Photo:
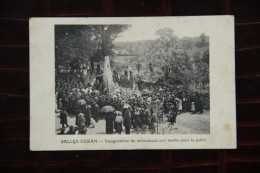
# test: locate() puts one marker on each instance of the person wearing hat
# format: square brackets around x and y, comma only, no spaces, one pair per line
[60,103]
[127,121]
[136,113]
[118,122]
[138,123]
[71,131]
[115,112]
[82,129]
[109,117]
[88,115]
[142,116]
[151,124]
[173,114]
[95,111]
[63,118]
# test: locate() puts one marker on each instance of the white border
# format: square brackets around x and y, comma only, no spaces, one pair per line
[220,29]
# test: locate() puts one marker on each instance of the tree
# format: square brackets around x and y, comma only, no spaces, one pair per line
[172,61]
[165,34]
[203,38]
[202,41]
[85,42]
[201,70]
[164,49]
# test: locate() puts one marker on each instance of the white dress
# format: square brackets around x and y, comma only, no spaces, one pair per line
[192,106]
[180,105]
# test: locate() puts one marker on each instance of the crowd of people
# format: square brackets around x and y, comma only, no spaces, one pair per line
[138,110]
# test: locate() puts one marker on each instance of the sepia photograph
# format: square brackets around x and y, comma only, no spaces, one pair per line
[132,83]
[110,81]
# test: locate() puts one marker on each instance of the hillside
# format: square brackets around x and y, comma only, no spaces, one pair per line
[150,60]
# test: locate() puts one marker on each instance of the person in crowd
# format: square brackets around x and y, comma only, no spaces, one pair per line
[146,117]
[138,123]
[143,110]
[151,124]
[60,103]
[63,118]
[189,100]
[198,103]
[173,114]
[192,107]
[88,115]
[72,130]
[142,116]
[179,104]
[184,105]
[127,122]
[95,111]
[82,129]
[118,122]
[134,117]
[109,117]
[65,103]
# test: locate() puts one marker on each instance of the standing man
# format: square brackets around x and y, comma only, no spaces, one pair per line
[200,104]
[88,115]
[127,122]
[96,111]
[118,122]
[109,122]
[63,118]
[82,129]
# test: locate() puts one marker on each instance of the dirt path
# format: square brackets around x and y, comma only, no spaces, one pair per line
[186,123]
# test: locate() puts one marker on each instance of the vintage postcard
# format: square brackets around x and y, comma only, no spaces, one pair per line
[132,83]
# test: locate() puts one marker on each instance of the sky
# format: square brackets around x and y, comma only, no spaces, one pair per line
[146,31]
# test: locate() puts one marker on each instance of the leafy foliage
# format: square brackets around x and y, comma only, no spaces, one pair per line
[76,44]
[177,63]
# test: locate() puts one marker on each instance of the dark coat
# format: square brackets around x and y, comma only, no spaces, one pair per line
[127,121]
[82,130]
[118,126]
[109,122]
[173,115]
[138,122]
[88,117]
[63,117]
[96,110]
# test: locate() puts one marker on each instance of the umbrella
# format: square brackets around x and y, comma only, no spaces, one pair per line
[95,92]
[107,108]
[126,106]
[81,102]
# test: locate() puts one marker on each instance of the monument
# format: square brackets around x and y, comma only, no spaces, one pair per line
[107,75]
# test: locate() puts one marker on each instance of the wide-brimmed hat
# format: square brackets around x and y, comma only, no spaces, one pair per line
[88,106]
[81,115]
